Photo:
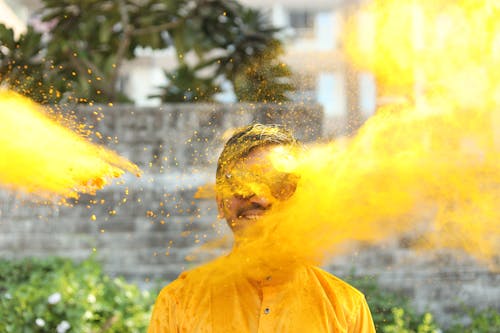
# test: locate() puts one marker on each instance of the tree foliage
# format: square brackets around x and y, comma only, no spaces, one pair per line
[185,86]
[22,66]
[81,58]
[91,39]
[265,79]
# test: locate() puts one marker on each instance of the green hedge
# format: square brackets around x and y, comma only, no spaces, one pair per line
[394,314]
[484,321]
[58,295]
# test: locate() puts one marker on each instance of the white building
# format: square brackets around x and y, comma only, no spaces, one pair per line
[13,18]
[315,53]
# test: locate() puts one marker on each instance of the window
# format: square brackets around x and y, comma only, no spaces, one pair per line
[302,22]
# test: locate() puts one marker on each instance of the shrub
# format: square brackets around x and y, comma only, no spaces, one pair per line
[391,312]
[58,295]
[484,321]
[402,323]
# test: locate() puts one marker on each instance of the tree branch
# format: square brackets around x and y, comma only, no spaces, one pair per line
[159,28]
[83,65]
[124,45]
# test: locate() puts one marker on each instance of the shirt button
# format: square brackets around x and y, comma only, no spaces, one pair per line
[268,278]
[267,310]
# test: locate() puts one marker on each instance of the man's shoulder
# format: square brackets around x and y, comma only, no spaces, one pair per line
[347,301]
[334,285]
[190,280]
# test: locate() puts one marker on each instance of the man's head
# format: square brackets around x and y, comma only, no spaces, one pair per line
[247,184]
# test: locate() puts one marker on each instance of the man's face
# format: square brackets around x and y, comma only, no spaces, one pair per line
[251,187]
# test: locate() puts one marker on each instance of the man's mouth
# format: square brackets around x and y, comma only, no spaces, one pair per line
[252,214]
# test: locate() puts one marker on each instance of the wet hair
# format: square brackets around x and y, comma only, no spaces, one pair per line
[248,138]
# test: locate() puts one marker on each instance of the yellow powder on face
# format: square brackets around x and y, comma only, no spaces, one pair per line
[41,157]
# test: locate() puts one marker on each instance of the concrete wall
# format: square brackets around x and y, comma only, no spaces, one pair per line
[152,228]
[190,135]
[147,228]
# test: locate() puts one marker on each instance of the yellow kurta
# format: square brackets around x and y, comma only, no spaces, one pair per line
[305,300]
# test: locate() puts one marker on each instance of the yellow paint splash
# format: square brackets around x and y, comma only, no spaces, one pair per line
[448,50]
[40,157]
[428,169]
[435,177]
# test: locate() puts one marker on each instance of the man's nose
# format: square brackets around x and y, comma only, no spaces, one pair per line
[260,199]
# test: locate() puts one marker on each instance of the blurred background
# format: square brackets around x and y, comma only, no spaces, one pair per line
[162,83]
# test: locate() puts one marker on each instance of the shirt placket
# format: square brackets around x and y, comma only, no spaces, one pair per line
[269,307]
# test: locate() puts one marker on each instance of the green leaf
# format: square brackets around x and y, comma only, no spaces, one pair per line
[7,37]
[105,33]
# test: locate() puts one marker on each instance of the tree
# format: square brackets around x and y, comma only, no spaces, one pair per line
[248,47]
[91,39]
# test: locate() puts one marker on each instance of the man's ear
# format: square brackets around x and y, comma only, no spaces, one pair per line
[220,206]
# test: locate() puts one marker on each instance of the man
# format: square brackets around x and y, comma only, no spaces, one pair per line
[230,295]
